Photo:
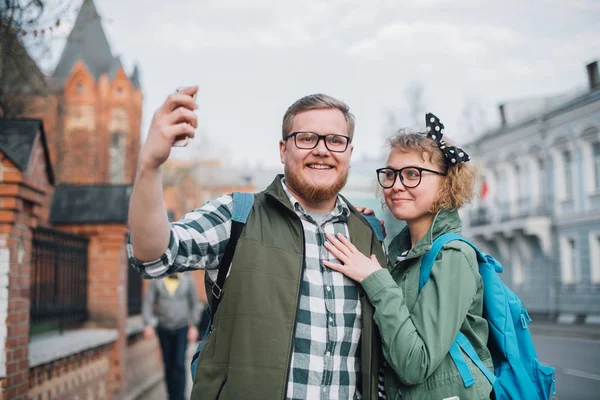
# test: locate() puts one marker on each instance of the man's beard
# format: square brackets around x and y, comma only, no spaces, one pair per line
[313,194]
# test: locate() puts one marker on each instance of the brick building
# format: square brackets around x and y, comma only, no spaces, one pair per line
[68,301]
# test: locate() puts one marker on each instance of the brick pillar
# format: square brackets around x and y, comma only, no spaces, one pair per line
[107,287]
[17,202]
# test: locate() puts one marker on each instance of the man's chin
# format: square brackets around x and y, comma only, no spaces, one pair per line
[313,187]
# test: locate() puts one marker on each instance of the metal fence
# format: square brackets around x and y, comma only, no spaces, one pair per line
[59,270]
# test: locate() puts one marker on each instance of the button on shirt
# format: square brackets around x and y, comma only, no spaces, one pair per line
[325,363]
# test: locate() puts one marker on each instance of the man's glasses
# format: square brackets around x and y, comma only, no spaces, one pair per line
[409,176]
[310,140]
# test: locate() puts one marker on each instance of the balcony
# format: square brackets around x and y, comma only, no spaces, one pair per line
[506,218]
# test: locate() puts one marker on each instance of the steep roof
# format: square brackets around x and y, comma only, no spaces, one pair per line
[17,137]
[80,204]
[135,77]
[87,42]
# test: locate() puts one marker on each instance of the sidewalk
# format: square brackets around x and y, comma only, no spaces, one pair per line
[159,391]
[580,331]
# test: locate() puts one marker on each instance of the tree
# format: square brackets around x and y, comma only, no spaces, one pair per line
[24,24]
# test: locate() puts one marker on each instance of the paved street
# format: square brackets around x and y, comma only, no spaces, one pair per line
[577,365]
[576,361]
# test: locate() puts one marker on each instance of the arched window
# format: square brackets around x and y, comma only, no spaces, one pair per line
[568,173]
[117,158]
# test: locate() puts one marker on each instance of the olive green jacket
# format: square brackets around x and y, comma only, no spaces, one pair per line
[247,355]
[417,330]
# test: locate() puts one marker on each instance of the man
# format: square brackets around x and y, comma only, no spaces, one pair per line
[174,302]
[286,327]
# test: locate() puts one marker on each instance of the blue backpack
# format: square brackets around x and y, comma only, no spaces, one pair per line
[518,374]
[242,205]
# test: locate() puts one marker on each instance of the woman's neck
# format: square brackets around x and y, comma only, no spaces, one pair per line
[418,228]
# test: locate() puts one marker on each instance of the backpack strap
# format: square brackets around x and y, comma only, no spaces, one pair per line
[467,347]
[242,205]
[375,225]
[430,257]
[461,341]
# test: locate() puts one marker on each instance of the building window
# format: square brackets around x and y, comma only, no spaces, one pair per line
[523,190]
[79,87]
[568,174]
[595,257]
[569,267]
[596,165]
[541,169]
[517,183]
[518,274]
[117,158]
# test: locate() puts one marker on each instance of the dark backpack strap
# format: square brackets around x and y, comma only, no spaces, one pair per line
[375,225]
[242,205]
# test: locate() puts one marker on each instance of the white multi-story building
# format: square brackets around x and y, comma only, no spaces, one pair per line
[538,210]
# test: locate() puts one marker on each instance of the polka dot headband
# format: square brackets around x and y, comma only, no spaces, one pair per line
[435,131]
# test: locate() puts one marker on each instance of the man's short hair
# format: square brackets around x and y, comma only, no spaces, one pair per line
[317,101]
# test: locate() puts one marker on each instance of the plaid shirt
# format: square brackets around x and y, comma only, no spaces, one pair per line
[325,363]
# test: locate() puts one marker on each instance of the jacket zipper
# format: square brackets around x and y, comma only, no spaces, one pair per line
[221,388]
[287,375]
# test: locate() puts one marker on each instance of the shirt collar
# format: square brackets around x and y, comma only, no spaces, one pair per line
[341,208]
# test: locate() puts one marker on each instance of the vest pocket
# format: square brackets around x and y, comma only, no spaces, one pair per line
[221,388]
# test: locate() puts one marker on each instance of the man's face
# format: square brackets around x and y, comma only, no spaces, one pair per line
[318,174]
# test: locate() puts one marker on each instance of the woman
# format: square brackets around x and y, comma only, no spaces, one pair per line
[424,183]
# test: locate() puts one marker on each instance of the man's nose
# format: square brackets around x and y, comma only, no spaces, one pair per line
[320,148]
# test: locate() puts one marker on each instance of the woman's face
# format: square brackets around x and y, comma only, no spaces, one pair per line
[411,204]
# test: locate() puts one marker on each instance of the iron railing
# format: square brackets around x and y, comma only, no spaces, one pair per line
[59,270]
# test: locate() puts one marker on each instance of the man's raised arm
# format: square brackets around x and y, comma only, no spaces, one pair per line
[148,221]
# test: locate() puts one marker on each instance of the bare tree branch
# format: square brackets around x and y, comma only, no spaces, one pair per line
[20,76]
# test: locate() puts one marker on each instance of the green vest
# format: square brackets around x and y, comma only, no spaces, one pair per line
[248,353]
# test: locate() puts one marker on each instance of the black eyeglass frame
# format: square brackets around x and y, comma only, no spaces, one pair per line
[398,173]
[319,137]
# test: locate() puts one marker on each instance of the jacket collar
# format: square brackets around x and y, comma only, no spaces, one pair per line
[444,221]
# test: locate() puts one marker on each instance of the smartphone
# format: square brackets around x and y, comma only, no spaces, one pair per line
[182,140]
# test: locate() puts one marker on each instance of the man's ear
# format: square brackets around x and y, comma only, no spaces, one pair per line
[282,150]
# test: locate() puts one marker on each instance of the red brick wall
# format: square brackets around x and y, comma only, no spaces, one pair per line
[85,375]
[23,205]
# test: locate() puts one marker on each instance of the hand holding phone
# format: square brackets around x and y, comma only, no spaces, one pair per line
[182,140]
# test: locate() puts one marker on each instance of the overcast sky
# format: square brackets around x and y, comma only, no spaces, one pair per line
[253,58]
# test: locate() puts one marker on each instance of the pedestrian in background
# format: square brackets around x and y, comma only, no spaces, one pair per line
[174,303]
